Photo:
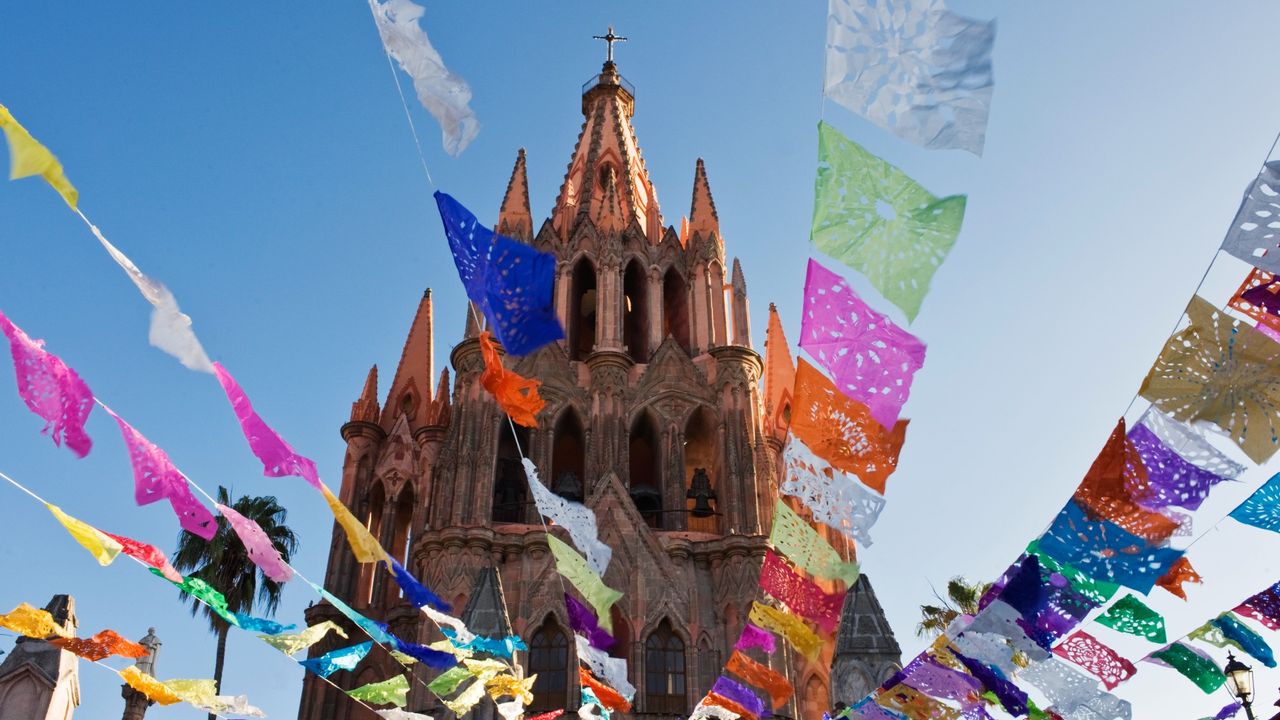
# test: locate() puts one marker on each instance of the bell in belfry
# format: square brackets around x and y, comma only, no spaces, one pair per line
[702,493]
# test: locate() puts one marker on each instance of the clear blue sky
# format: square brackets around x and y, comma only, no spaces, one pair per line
[256,159]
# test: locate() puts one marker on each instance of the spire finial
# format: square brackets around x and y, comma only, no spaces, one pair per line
[609,38]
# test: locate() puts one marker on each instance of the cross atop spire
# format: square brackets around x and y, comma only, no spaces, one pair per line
[609,38]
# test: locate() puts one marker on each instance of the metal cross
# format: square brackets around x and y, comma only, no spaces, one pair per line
[611,39]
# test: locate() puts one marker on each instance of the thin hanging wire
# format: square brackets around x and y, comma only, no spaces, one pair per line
[520,450]
[304,578]
[403,101]
[1216,254]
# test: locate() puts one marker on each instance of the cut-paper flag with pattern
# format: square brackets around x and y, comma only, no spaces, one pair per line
[515,394]
[1262,508]
[1130,615]
[578,572]
[293,643]
[1263,607]
[1114,484]
[171,329]
[101,646]
[837,499]
[842,431]
[1072,693]
[346,658]
[262,552]
[28,158]
[1258,297]
[1105,551]
[50,389]
[914,68]
[871,359]
[101,546]
[394,691]
[1193,665]
[578,519]
[805,641]
[801,544]
[278,458]
[32,622]
[508,281]
[1215,372]
[445,95]
[799,594]
[872,217]
[155,478]
[149,686]
[1181,466]
[1254,236]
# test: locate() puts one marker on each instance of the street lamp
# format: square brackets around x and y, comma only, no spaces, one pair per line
[1240,683]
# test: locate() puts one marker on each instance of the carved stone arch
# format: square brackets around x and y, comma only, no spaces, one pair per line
[583,312]
[546,240]
[634,243]
[665,668]
[813,696]
[584,240]
[567,474]
[645,456]
[667,611]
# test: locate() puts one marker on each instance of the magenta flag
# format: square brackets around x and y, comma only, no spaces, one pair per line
[262,551]
[155,479]
[50,389]
[801,595]
[754,637]
[277,456]
[871,360]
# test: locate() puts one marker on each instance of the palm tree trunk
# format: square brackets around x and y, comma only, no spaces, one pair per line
[223,628]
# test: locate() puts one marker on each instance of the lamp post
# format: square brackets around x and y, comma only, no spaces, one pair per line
[1240,683]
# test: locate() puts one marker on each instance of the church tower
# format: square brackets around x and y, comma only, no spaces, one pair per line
[655,418]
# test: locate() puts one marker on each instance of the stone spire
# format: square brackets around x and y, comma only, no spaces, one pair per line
[741,313]
[867,653]
[703,219]
[411,389]
[606,166]
[486,610]
[366,409]
[474,325]
[440,404]
[515,219]
[779,378]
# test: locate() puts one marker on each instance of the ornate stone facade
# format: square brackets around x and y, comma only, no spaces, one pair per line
[655,383]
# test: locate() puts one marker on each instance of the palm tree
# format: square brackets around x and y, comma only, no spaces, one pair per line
[962,599]
[224,563]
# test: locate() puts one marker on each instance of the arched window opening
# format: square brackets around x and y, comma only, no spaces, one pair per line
[644,478]
[621,634]
[635,312]
[568,458]
[815,699]
[510,491]
[372,508]
[701,473]
[399,545]
[708,666]
[582,310]
[664,672]
[675,309]
[549,659]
